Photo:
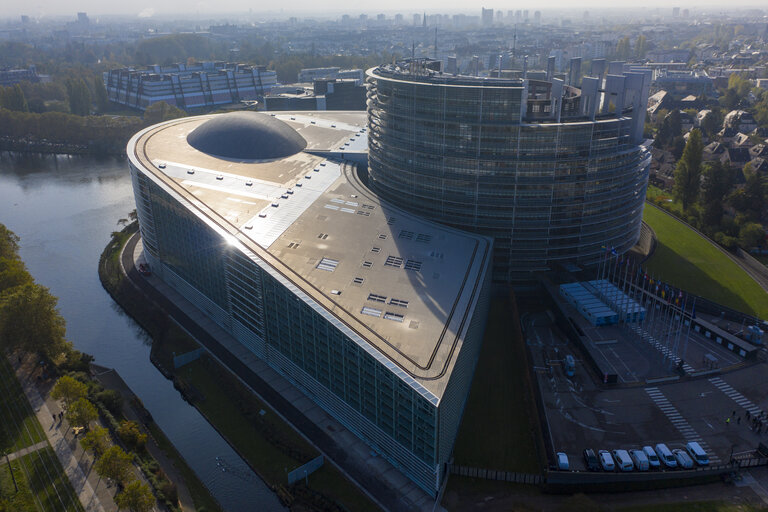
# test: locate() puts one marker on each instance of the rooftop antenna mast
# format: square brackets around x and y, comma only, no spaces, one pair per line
[435,43]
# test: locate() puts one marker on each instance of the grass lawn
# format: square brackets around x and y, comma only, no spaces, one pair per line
[685,259]
[39,476]
[495,432]
[19,424]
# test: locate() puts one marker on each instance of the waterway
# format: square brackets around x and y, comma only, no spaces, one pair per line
[64,208]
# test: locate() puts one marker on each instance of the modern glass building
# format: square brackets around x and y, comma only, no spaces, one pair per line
[374,313]
[552,172]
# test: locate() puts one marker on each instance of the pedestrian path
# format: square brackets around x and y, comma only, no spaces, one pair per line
[666,352]
[26,451]
[679,422]
[737,397]
[91,500]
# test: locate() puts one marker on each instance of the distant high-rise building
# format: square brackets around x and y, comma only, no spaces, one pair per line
[675,12]
[363,18]
[537,17]
[686,13]
[487,17]
[346,19]
[525,16]
[24,19]
[381,17]
[398,19]
[416,20]
[82,18]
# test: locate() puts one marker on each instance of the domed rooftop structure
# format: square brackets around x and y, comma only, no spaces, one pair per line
[246,136]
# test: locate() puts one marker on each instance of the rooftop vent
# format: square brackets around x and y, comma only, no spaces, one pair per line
[371,311]
[328,264]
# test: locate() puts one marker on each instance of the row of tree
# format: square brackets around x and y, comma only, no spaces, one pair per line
[112,462]
[704,191]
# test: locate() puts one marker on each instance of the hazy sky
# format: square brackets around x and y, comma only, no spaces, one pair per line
[185,8]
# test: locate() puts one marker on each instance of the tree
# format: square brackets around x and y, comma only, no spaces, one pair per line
[712,122]
[30,321]
[640,47]
[755,200]
[136,497]
[69,390]
[79,97]
[688,171]
[13,273]
[114,464]
[675,123]
[162,111]
[100,94]
[13,98]
[715,186]
[131,435]
[9,243]
[97,440]
[81,412]
[751,235]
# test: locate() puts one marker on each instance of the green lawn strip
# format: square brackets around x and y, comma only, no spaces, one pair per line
[494,433]
[464,493]
[40,478]
[20,426]
[685,259]
[696,506]
[266,448]
[48,481]
[11,499]
[200,494]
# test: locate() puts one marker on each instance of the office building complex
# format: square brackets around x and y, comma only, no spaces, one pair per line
[188,86]
[309,75]
[377,315]
[553,172]
[325,94]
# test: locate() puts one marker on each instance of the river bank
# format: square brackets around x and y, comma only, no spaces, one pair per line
[262,438]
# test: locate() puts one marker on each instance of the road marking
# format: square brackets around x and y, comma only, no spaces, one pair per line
[737,397]
[646,336]
[679,422]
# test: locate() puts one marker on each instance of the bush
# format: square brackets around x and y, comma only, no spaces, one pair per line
[131,435]
[111,399]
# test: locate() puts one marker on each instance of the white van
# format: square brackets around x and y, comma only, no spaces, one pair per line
[665,455]
[640,459]
[623,460]
[653,459]
[697,453]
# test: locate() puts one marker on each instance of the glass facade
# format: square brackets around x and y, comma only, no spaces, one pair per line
[280,324]
[461,152]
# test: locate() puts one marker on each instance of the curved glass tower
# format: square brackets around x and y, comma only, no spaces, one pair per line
[552,172]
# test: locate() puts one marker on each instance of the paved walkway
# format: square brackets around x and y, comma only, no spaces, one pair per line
[94,495]
[27,450]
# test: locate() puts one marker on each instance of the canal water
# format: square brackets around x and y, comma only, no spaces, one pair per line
[64,209]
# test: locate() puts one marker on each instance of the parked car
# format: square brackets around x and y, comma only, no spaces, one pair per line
[665,455]
[623,460]
[640,460]
[653,458]
[590,459]
[683,459]
[606,461]
[562,462]
[697,453]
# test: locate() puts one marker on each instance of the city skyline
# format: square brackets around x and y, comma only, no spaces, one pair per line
[306,8]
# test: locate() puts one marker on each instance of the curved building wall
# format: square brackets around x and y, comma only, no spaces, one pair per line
[465,156]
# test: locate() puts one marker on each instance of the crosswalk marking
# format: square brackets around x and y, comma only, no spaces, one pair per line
[737,397]
[646,336]
[679,422]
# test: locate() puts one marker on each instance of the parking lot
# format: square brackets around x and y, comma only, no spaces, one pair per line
[582,413]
